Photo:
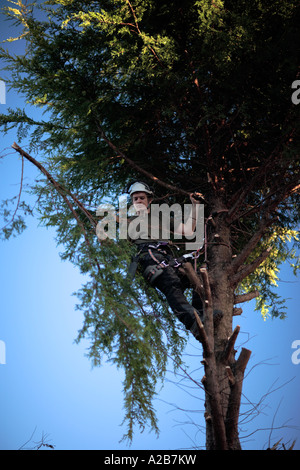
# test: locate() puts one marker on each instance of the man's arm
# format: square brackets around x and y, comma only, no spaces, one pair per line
[188,228]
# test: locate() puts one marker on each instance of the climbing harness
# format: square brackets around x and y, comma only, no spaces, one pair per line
[153,271]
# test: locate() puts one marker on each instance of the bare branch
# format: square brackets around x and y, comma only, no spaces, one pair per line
[238,299]
[134,165]
[19,197]
[37,445]
[243,360]
[231,343]
[262,170]
[253,242]
[250,268]
[60,189]
[237,311]
[194,279]
[235,396]
[203,336]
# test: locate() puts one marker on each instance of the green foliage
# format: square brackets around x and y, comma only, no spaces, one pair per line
[127,327]
[13,224]
[196,93]
[285,246]
[126,324]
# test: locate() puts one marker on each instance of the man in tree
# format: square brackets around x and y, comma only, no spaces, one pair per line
[156,253]
[122,81]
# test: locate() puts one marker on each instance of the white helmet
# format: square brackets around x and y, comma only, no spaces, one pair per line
[140,187]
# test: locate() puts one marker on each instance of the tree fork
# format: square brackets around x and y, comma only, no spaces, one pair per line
[237,371]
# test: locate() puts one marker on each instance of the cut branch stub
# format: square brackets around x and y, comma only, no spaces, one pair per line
[231,343]
[203,336]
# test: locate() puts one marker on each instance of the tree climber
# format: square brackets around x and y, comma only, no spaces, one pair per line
[155,255]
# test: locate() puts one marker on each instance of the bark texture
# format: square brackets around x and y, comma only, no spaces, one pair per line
[216,282]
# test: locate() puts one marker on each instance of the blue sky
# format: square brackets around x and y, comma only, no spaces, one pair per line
[48,384]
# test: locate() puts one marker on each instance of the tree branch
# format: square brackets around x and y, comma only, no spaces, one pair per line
[19,197]
[260,173]
[237,311]
[250,268]
[254,240]
[203,336]
[194,279]
[134,165]
[60,189]
[242,361]
[238,299]
[231,343]
[281,192]
[208,305]
[235,396]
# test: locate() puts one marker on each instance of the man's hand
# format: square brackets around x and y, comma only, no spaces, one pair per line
[195,198]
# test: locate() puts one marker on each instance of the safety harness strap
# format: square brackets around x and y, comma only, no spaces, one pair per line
[159,265]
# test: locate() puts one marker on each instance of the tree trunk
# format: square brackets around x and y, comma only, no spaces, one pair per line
[224,374]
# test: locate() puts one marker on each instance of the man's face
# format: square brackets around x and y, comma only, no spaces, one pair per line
[140,202]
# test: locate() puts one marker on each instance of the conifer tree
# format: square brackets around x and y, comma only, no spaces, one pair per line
[187,96]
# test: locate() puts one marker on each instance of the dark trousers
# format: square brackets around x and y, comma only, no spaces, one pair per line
[172,283]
